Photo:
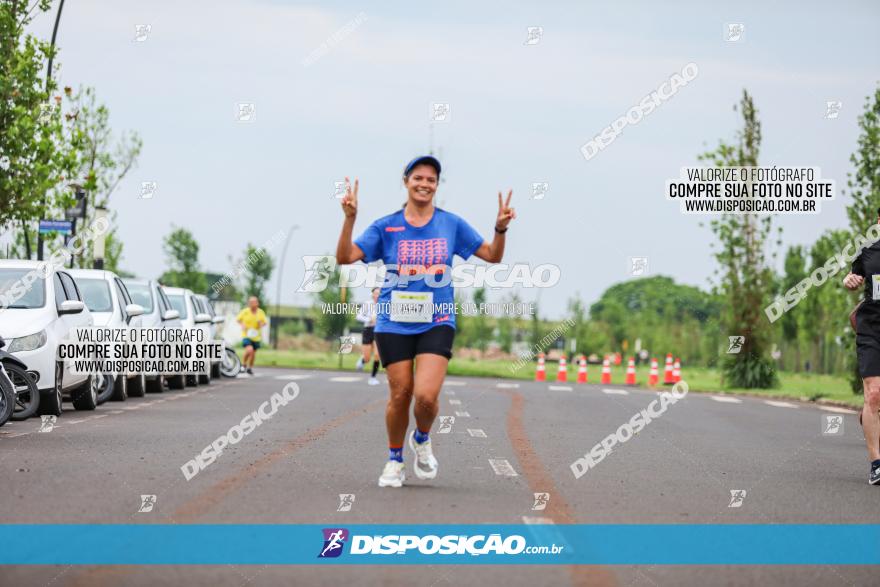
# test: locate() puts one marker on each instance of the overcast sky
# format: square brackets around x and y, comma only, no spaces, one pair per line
[519,114]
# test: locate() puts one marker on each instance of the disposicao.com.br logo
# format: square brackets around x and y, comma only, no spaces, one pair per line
[394,544]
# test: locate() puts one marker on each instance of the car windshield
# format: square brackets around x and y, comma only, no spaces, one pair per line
[140,294]
[178,303]
[14,294]
[96,294]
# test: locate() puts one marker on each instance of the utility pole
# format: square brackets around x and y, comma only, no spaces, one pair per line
[48,80]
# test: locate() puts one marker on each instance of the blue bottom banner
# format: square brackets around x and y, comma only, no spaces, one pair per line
[377,544]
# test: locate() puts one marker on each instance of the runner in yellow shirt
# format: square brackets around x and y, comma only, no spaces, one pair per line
[252,319]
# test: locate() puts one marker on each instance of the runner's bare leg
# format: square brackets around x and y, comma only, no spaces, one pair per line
[870,416]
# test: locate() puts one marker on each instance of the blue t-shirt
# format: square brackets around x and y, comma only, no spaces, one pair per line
[421,259]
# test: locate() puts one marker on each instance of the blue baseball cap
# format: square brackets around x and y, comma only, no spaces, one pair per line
[423,160]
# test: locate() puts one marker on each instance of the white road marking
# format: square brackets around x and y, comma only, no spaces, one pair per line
[476,433]
[450,392]
[777,404]
[537,520]
[458,383]
[725,400]
[291,377]
[455,402]
[559,388]
[837,410]
[346,379]
[611,391]
[502,467]
[117,412]
[463,414]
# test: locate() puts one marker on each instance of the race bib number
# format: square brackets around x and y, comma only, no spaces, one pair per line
[253,333]
[875,281]
[412,306]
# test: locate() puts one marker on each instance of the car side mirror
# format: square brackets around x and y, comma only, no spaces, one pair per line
[132,310]
[71,307]
[171,315]
[218,320]
[202,318]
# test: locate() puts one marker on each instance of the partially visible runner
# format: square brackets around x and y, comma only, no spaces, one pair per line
[252,319]
[416,319]
[367,316]
[866,271]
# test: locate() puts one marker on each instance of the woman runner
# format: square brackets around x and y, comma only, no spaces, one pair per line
[415,324]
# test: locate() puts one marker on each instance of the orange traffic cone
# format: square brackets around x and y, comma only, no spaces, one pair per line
[630,372]
[668,379]
[676,370]
[562,373]
[540,371]
[653,377]
[582,370]
[606,371]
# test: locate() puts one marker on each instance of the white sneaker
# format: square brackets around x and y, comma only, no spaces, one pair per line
[393,475]
[372,381]
[425,465]
[360,364]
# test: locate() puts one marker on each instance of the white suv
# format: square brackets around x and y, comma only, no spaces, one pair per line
[111,306]
[216,329]
[158,313]
[41,305]
[192,315]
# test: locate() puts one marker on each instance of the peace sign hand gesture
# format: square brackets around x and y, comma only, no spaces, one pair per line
[505,212]
[350,199]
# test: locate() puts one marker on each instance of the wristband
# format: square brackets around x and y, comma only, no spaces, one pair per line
[501,231]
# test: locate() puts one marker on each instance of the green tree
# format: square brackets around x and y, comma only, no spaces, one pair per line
[795,272]
[824,311]
[864,189]
[864,182]
[747,281]
[330,323]
[257,269]
[103,162]
[33,164]
[481,331]
[182,255]
[577,312]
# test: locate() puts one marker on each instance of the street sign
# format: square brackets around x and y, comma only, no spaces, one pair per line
[62,226]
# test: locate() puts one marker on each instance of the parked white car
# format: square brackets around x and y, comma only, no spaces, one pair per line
[192,315]
[39,314]
[158,313]
[216,329]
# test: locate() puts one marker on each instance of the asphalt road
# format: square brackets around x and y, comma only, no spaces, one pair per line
[94,467]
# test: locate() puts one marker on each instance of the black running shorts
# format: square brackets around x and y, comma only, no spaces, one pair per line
[402,347]
[367,336]
[868,339]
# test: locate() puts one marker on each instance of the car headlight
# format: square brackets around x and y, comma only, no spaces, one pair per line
[27,343]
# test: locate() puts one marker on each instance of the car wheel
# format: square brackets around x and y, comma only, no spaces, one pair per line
[50,399]
[138,386]
[205,378]
[156,385]
[106,385]
[177,382]
[192,380]
[85,397]
[215,371]
[120,388]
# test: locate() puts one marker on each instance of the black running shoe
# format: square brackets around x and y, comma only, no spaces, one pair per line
[250,371]
[874,477]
